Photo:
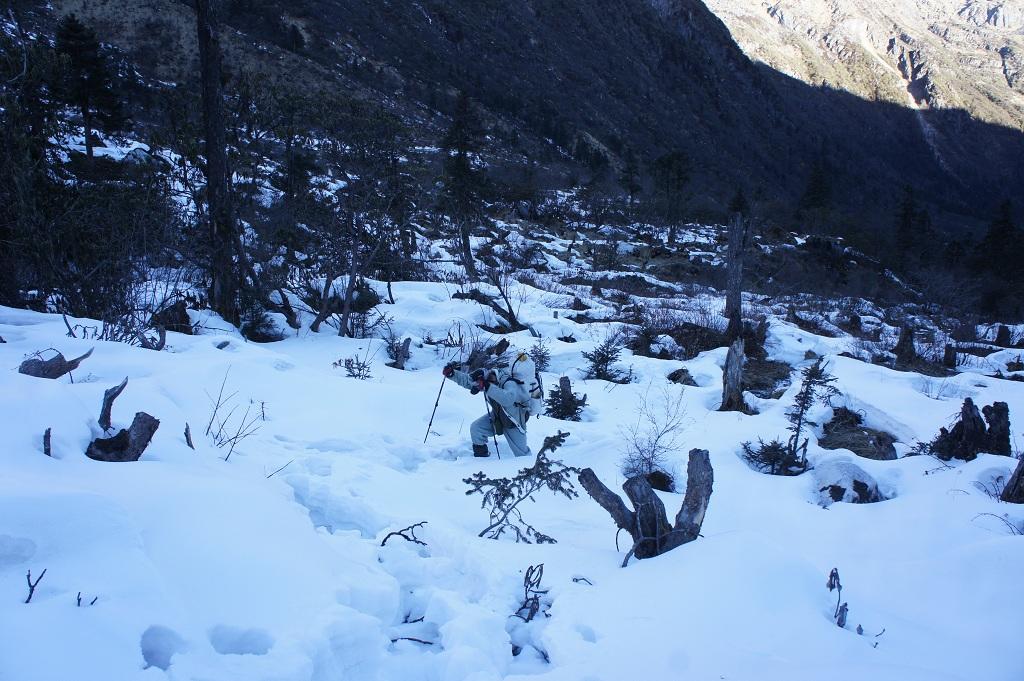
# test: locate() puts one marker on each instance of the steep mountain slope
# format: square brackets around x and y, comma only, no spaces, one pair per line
[936,54]
[609,80]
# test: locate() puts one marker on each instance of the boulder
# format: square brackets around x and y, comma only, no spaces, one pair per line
[842,480]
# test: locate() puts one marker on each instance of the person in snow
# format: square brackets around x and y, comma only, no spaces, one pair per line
[513,395]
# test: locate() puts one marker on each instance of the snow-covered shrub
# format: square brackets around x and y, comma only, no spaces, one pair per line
[774,457]
[563,404]
[601,359]
[356,367]
[654,436]
[502,496]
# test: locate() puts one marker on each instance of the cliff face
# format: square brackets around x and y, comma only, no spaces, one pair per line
[927,54]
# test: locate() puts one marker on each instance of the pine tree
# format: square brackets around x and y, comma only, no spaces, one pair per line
[906,222]
[88,82]
[738,203]
[1003,246]
[462,182]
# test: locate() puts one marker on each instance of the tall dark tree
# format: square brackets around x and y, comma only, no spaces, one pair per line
[670,174]
[1001,250]
[907,222]
[463,183]
[224,287]
[816,202]
[88,83]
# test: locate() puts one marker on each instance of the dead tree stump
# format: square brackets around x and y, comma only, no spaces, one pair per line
[1013,493]
[648,523]
[949,356]
[127,445]
[904,350]
[1003,338]
[969,435]
[732,379]
[53,368]
[734,278]
[402,354]
[997,415]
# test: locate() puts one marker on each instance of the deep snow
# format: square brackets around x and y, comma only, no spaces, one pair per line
[208,569]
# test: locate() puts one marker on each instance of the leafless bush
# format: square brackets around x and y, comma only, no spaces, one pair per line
[223,428]
[654,436]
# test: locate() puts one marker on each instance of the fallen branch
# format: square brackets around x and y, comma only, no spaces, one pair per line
[188,437]
[411,536]
[280,469]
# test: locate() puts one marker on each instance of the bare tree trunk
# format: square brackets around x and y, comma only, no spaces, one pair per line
[325,308]
[224,285]
[109,395]
[87,125]
[732,379]
[734,278]
[648,524]
[467,251]
[1013,493]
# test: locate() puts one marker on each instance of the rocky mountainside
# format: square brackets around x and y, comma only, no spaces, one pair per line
[928,54]
[578,90]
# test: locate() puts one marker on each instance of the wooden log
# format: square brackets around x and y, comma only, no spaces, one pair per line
[52,368]
[127,445]
[732,379]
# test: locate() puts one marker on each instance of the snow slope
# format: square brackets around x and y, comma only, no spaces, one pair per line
[209,569]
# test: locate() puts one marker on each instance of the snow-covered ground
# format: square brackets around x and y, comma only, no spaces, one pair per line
[210,569]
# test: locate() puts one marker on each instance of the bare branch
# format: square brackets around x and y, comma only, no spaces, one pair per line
[109,396]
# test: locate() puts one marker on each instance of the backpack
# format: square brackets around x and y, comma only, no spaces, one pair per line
[524,372]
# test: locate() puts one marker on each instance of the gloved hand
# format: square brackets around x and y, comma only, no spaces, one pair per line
[449,369]
[480,380]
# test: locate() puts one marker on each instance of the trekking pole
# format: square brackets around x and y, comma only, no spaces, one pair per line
[444,379]
[494,427]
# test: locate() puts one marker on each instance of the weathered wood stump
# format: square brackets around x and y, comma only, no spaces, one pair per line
[904,350]
[53,368]
[997,415]
[126,445]
[1013,493]
[648,523]
[732,379]
[969,435]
